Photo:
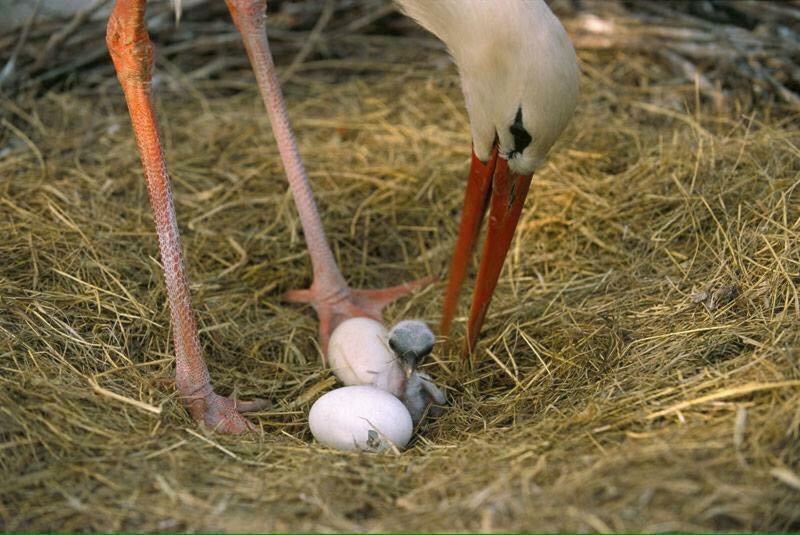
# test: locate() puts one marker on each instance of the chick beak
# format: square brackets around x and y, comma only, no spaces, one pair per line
[409,366]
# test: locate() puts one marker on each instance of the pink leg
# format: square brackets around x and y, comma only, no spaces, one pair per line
[333,300]
[132,52]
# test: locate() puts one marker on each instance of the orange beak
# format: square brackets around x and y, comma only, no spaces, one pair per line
[491,185]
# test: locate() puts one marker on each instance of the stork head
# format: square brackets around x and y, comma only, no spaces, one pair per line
[411,341]
[519,74]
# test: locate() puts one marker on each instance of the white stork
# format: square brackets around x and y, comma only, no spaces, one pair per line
[520,79]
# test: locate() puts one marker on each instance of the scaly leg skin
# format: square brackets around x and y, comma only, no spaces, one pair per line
[132,53]
[333,300]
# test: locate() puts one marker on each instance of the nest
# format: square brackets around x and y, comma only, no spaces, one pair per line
[638,369]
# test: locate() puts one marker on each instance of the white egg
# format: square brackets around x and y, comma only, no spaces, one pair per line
[360,418]
[359,354]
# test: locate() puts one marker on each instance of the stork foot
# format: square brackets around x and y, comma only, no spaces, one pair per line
[223,414]
[334,307]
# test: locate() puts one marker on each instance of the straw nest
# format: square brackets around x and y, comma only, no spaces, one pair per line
[638,369]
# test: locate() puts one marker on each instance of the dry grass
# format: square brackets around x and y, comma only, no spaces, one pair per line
[638,370]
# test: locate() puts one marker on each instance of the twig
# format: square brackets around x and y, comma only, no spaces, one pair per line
[724,394]
[7,73]
[691,71]
[68,29]
[134,402]
[311,41]
[371,16]
[210,442]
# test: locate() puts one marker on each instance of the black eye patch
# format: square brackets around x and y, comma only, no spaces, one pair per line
[521,136]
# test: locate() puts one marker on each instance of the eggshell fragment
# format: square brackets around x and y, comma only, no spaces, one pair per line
[360,418]
[359,354]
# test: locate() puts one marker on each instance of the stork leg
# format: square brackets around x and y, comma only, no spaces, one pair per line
[132,53]
[330,295]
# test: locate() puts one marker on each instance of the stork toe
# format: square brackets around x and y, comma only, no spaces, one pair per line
[224,414]
[333,306]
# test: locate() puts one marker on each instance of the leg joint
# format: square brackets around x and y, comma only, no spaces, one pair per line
[128,41]
[248,14]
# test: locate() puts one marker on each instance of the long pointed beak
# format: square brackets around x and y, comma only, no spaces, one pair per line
[508,191]
[408,368]
[476,200]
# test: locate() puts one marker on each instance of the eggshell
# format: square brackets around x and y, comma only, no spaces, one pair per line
[360,418]
[359,354]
